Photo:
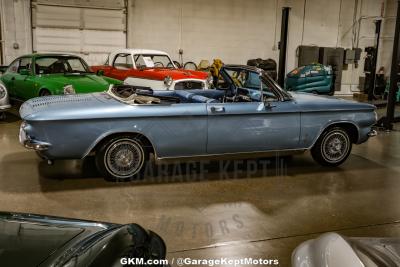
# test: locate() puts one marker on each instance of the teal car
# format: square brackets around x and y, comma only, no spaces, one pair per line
[36,75]
[313,78]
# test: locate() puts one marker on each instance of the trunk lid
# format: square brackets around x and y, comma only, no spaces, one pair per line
[66,107]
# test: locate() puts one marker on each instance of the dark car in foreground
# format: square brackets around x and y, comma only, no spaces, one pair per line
[37,240]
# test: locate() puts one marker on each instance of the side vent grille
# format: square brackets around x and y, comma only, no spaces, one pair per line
[48,100]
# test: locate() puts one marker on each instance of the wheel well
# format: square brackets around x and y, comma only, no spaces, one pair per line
[350,128]
[146,142]
[42,90]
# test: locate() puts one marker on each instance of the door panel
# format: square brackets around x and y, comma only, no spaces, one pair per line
[118,74]
[180,132]
[247,127]
[25,87]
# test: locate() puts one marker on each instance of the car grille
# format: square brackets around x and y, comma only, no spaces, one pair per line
[187,85]
[48,100]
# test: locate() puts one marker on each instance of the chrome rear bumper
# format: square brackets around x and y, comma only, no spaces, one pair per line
[5,107]
[372,133]
[36,145]
[30,143]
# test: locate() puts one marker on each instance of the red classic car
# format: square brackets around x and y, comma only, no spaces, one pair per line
[151,68]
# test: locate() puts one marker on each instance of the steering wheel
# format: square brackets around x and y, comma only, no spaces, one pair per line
[123,89]
[158,63]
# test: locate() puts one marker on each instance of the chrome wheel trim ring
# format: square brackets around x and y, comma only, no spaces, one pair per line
[124,158]
[335,146]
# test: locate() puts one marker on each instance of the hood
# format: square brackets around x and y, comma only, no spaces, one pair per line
[28,240]
[175,74]
[74,106]
[311,102]
[81,82]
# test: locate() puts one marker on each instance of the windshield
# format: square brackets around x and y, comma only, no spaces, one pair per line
[153,61]
[254,80]
[60,64]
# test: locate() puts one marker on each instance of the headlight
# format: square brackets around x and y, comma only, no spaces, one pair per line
[2,91]
[69,89]
[168,81]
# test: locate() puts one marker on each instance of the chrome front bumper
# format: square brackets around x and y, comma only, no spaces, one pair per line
[30,143]
[372,133]
[5,107]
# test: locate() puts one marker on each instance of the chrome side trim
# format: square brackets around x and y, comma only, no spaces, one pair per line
[250,154]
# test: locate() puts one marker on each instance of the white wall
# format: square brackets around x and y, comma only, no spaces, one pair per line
[234,30]
[16,29]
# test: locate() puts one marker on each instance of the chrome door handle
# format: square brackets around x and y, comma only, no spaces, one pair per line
[217,109]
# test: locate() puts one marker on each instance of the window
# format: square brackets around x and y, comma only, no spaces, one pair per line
[76,65]
[152,61]
[247,79]
[123,61]
[13,68]
[25,63]
[59,64]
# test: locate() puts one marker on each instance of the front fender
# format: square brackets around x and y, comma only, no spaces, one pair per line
[313,124]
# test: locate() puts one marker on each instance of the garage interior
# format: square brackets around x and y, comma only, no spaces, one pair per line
[208,209]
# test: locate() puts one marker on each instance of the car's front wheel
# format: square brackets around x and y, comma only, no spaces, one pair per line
[333,147]
[121,158]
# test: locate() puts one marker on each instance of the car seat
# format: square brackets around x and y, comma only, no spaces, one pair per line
[58,67]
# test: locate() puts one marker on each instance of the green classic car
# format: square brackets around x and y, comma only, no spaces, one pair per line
[52,74]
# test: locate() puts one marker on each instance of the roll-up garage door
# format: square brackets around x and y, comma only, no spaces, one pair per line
[91,31]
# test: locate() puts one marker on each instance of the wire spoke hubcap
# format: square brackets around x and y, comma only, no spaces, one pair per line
[124,158]
[335,146]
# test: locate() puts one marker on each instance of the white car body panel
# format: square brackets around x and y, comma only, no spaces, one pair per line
[160,85]
[4,101]
[328,250]
[153,84]
[134,52]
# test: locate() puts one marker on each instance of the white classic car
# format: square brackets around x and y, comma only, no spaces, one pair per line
[334,250]
[153,69]
[4,100]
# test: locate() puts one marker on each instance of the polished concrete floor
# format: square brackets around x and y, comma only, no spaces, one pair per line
[256,208]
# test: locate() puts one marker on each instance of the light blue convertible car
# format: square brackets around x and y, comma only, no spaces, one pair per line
[125,124]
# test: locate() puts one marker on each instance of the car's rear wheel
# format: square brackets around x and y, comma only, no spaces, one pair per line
[121,158]
[333,147]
